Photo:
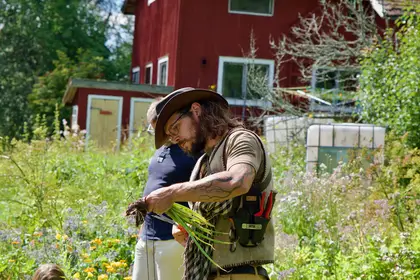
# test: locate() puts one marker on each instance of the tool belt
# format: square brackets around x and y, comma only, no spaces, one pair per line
[251,214]
[249,222]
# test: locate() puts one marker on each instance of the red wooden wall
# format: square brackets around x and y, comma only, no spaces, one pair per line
[81,99]
[207,30]
[156,35]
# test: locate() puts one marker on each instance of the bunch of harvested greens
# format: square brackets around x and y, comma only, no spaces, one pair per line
[192,222]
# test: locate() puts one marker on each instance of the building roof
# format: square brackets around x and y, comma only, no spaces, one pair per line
[129,7]
[75,84]
[392,8]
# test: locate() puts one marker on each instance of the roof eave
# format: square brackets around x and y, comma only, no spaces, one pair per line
[69,93]
[74,84]
[129,7]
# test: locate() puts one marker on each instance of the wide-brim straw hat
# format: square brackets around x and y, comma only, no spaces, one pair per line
[177,100]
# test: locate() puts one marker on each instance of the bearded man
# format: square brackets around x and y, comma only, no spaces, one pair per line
[231,185]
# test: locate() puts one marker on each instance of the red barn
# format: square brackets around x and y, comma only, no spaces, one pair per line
[198,43]
[203,43]
[110,112]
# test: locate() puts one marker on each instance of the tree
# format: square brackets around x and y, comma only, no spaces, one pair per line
[328,43]
[332,37]
[389,84]
[49,90]
[32,33]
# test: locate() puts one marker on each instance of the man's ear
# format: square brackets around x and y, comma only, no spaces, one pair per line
[196,109]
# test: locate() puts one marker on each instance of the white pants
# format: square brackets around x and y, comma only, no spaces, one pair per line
[158,260]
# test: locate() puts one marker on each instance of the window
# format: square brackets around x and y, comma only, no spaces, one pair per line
[74,116]
[332,156]
[233,77]
[135,75]
[162,78]
[148,75]
[149,2]
[329,79]
[252,7]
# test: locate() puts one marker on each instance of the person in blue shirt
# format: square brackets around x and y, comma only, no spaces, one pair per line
[158,256]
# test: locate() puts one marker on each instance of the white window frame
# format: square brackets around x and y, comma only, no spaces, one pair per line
[88,115]
[149,2]
[135,70]
[74,117]
[160,62]
[149,65]
[253,14]
[243,60]
[132,102]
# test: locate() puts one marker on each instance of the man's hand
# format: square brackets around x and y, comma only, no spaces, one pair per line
[180,235]
[160,200]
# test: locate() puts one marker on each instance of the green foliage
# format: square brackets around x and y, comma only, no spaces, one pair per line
[389,82]
[50,88]
[34,35]
[64,205]
[357,223]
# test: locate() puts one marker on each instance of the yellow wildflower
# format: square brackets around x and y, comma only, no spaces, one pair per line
[127,278]
[38,234]
[84,222]
[12,261]
[110,242]
[76,275]
[15,242]
[58,236]
[116,264]
[97,241]
[69,248]
[87,260]
[89,275]
[92,248]
[65,237]
[89,269]
[85,256]
[134,236]
[102,277]
[110,269]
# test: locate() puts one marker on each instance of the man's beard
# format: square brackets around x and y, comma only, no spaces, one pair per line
[199,143]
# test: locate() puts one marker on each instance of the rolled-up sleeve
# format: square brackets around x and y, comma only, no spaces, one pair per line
[243,148]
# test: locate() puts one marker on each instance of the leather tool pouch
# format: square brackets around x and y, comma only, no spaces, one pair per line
[249,229]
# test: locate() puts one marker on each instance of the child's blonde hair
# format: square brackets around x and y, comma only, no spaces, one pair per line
[49,272]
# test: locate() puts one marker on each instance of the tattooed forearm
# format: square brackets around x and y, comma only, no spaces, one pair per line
[217,187]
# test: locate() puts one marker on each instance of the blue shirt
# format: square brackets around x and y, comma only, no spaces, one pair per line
[168,166]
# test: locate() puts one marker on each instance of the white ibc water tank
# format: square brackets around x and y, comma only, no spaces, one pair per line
[282,130]
[334,140]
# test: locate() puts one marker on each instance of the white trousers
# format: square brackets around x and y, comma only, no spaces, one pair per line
[158,260]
